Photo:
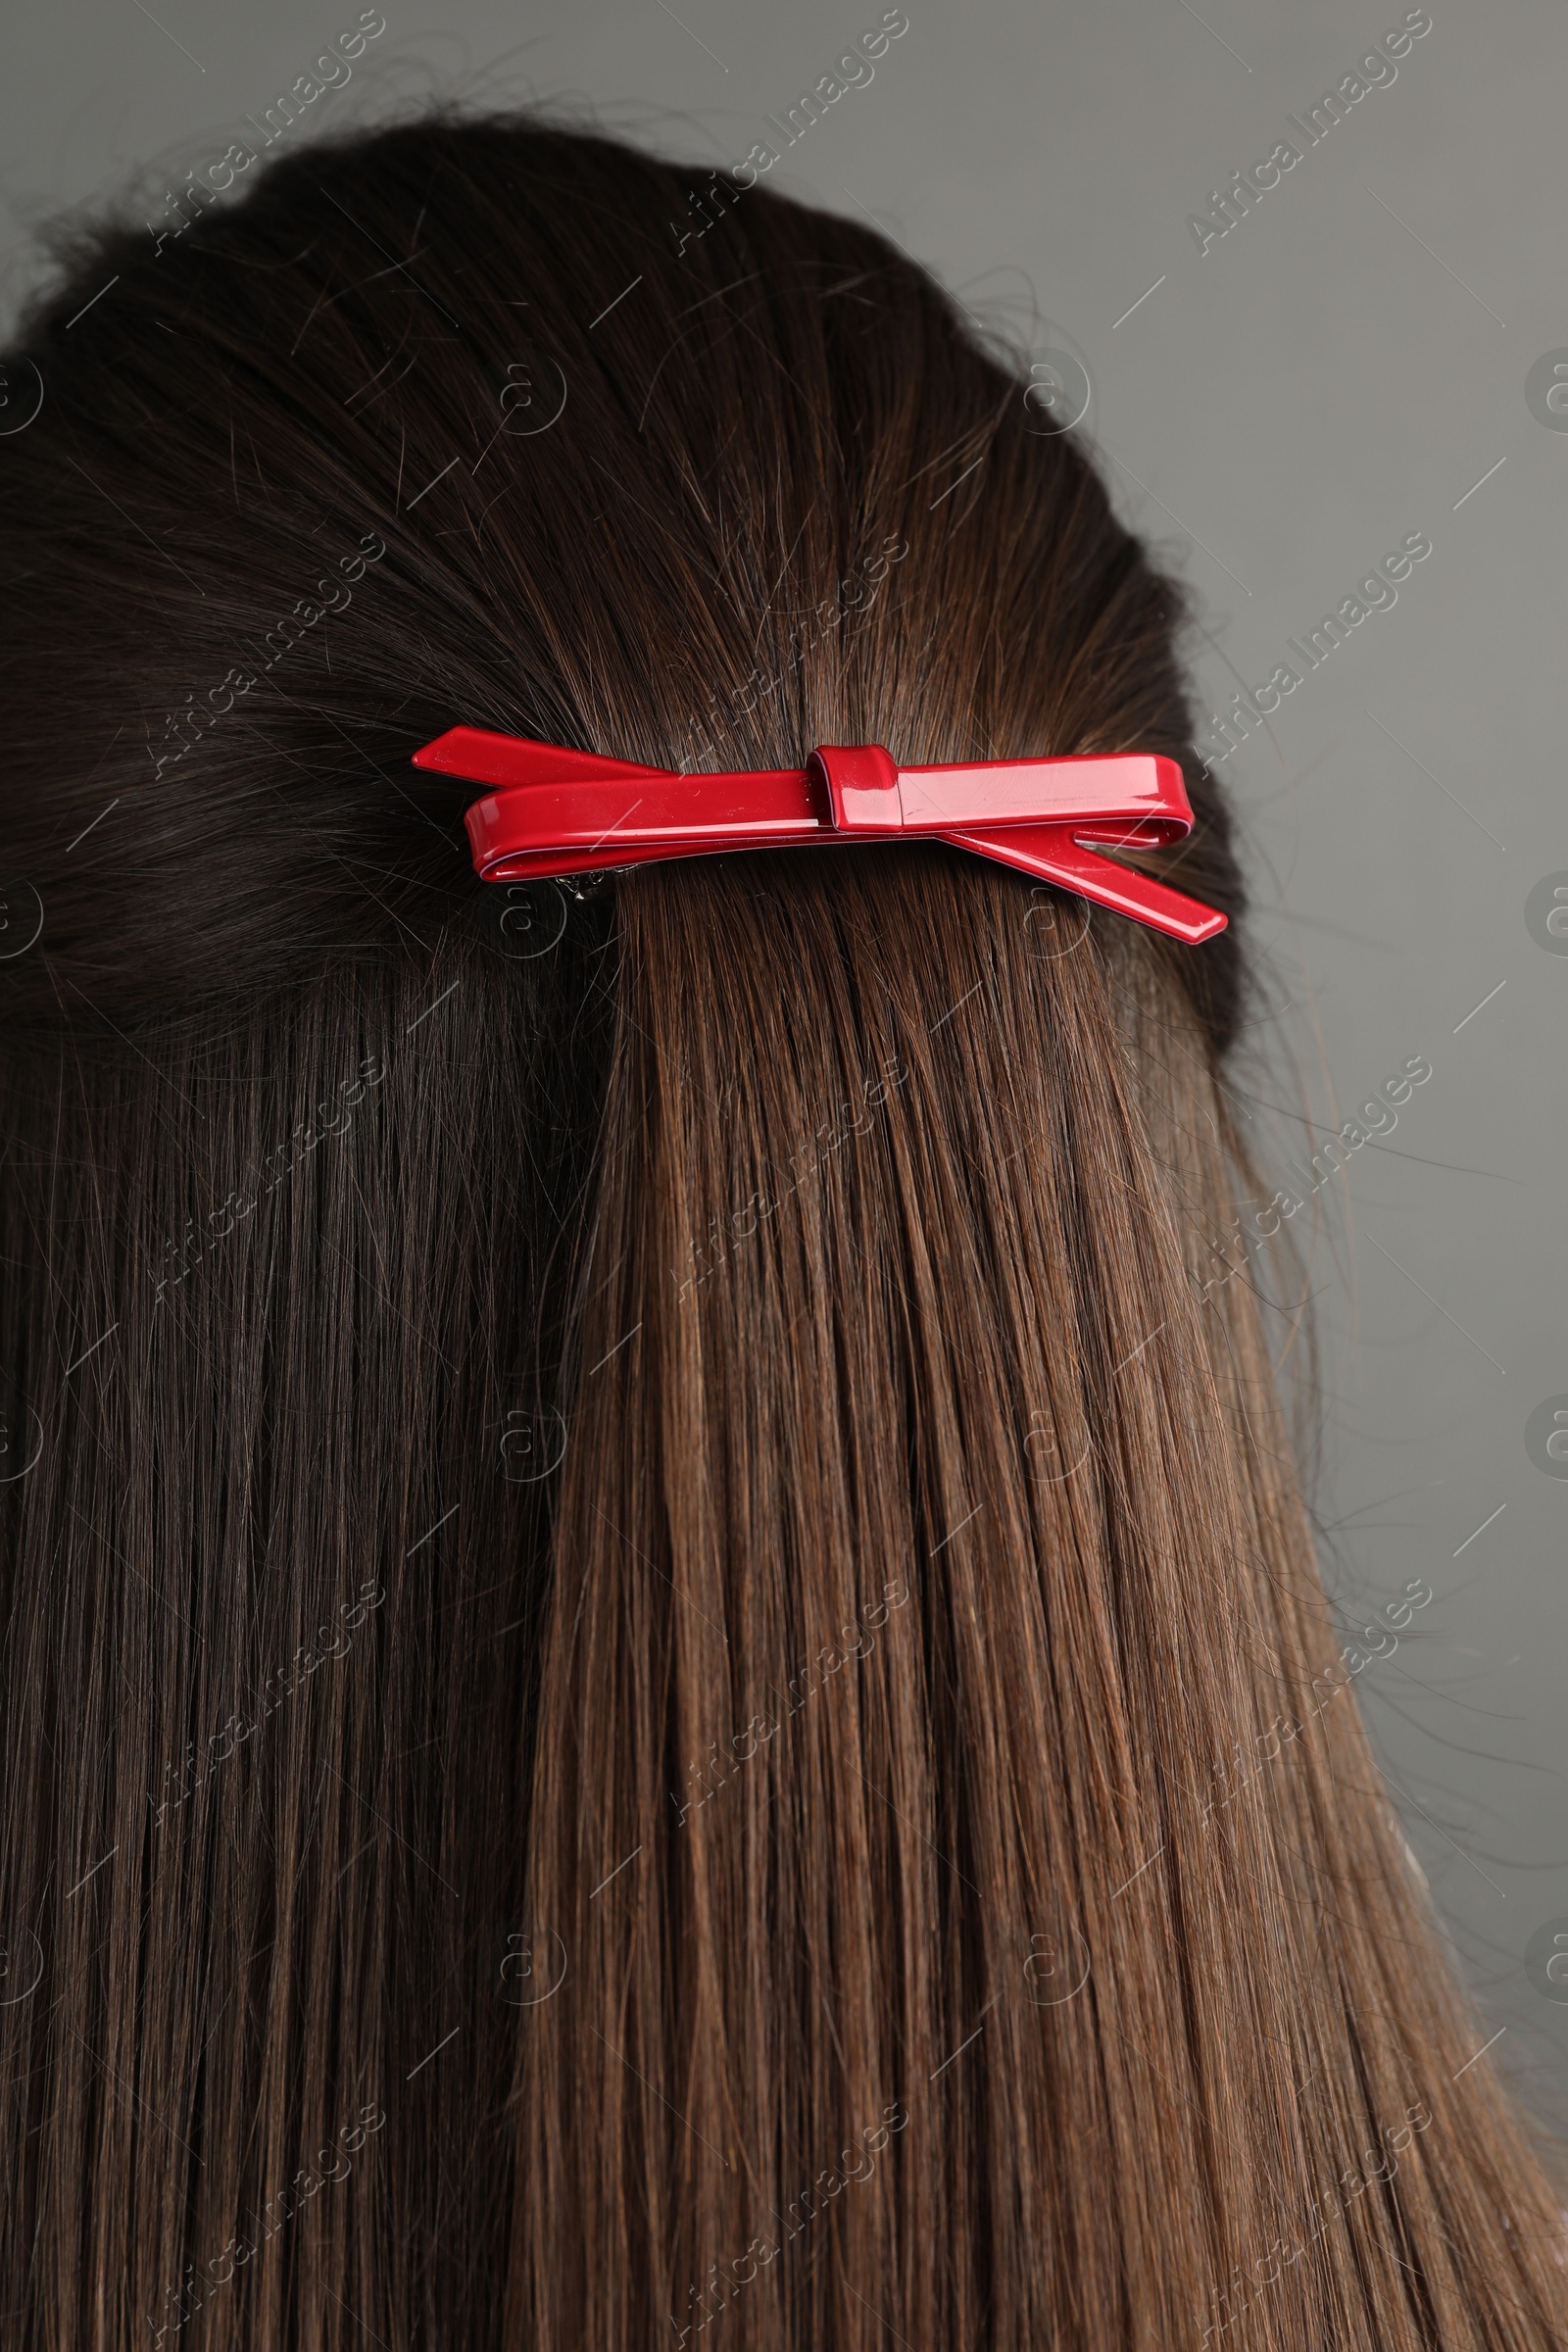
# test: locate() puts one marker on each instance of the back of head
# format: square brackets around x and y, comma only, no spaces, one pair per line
[662,1657]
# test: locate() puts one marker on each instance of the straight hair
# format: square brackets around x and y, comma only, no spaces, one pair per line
[664,1665]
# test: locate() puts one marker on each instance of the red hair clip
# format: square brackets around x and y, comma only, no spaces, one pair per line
[551,811]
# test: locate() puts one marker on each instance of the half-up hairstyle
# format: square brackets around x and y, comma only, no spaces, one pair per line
[662,1665]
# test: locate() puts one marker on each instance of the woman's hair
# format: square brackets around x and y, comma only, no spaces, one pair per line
[662,1665]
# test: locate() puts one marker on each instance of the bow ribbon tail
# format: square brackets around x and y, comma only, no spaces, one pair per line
[1051,853]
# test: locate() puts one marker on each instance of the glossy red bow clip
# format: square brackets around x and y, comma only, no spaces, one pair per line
[555,811]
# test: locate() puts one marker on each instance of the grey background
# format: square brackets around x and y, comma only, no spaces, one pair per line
[1339,370]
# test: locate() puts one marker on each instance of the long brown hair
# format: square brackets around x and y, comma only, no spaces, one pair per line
[662,1664]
